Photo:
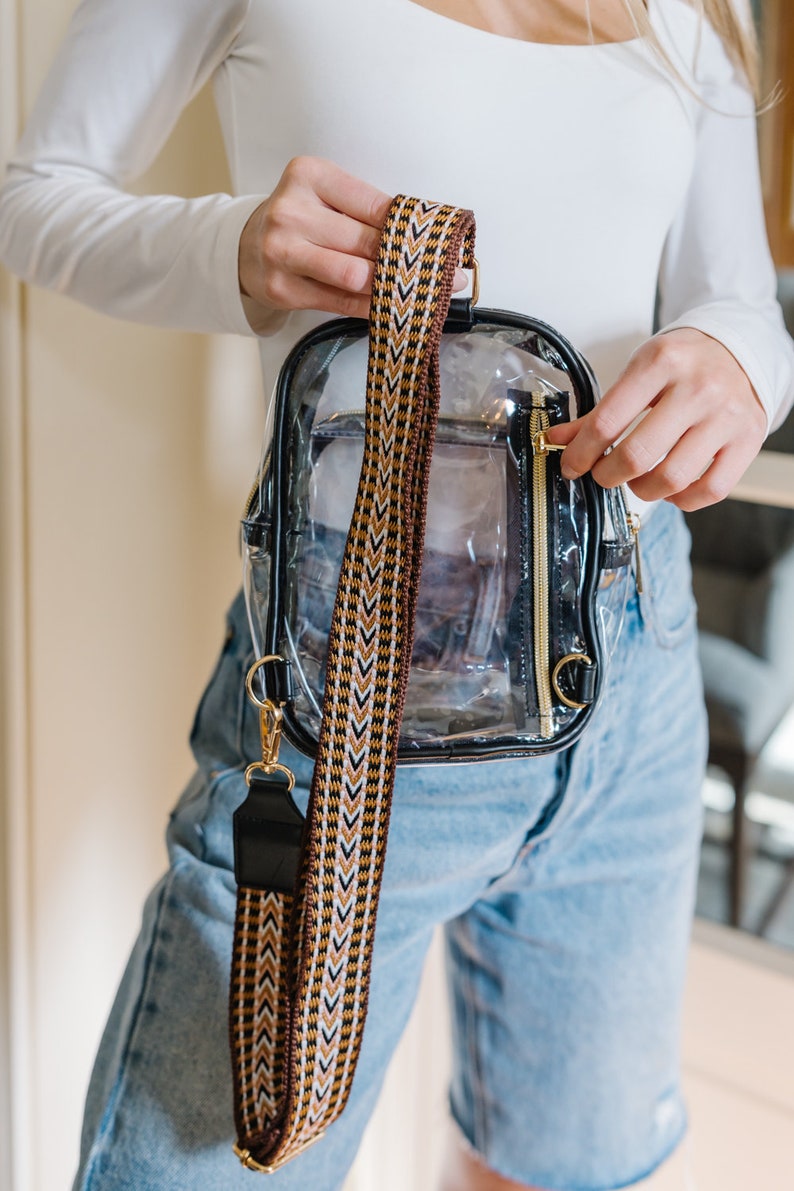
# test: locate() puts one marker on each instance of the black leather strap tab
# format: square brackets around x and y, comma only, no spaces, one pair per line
[279,685]
[256,533]
[615,555]
[586,681]
[268,829]
[459,317]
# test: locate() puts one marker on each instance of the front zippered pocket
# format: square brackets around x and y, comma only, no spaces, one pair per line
[539,423]
[553,650]
[530,554]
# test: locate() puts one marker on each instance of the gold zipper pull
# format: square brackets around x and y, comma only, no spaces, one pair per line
[635,525]
[542,446]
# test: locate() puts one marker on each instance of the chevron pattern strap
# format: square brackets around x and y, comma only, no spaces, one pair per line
[301,965]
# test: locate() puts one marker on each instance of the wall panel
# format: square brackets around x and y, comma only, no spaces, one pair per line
[121,503]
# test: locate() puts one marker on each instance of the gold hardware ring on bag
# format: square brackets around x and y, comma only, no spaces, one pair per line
[555,677]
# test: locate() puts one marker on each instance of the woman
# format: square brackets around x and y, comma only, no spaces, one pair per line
[604,150]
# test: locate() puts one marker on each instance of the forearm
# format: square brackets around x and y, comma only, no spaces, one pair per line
[163,260]
[717,275]
[118,83]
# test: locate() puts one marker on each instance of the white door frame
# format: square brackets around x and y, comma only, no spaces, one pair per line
[15,1036]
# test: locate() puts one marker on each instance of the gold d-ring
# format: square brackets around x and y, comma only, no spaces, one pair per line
[475,282]
[267,704]
[569,657]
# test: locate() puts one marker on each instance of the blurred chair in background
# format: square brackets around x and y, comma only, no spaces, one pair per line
[743,571]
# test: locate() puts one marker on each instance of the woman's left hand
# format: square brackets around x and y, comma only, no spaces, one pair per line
[703,424]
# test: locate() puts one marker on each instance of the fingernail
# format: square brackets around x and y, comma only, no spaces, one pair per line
[568,472]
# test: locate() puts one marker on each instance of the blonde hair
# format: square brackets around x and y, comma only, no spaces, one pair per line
[737,32]
[739,36]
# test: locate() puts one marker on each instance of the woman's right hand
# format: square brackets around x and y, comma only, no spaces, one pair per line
[312,244]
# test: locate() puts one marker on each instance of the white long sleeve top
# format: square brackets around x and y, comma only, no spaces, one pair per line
[594,173]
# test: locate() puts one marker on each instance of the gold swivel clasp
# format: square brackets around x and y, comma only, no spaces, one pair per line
[271,717]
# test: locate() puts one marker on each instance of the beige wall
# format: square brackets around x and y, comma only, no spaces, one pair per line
[127,454]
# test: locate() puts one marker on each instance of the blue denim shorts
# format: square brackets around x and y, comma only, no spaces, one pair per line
[565,889]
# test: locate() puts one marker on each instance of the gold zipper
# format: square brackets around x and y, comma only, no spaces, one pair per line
[256,486]
[251,496]
[634,526]
[538,425]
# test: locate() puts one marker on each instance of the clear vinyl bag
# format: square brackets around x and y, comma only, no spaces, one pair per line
[524,574]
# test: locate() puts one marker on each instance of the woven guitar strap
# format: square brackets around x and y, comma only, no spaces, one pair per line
[300,972]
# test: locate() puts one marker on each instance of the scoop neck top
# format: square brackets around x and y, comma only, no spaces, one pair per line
[625,43]
[596,176]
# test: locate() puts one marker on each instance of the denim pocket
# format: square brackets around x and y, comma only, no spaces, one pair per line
[667,603]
